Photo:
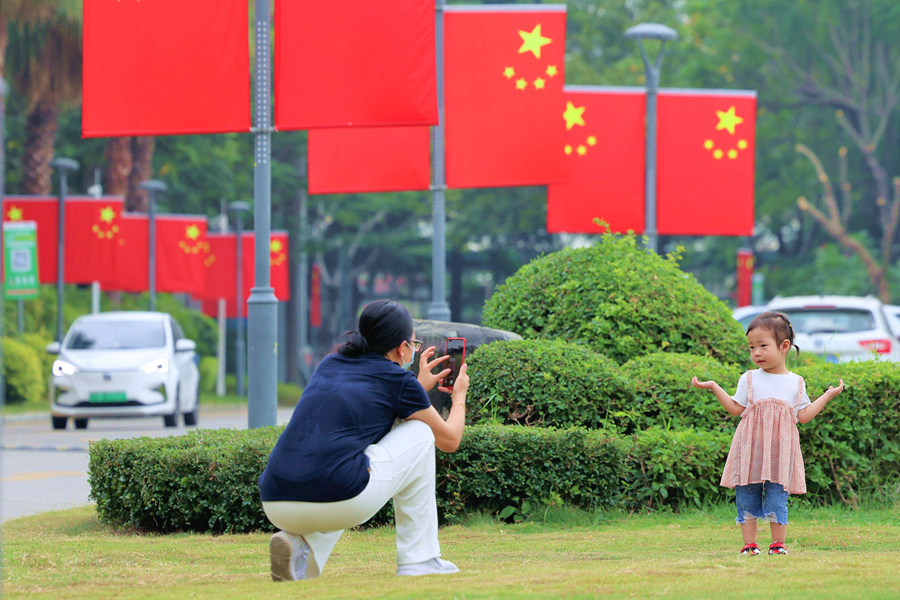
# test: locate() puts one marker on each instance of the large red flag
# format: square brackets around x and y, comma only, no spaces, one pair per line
[278,265]
[504,86]
[354,63]
[705,150]
[131,262]
[181,249]
[91,239]
[165,67]
[44,212]
[605,151]
[376,159]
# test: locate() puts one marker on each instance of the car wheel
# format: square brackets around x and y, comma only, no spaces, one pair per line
[59,422]
[172,419]
[190,418]
[80,423]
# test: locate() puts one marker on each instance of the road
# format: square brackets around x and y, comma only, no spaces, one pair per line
[42,469]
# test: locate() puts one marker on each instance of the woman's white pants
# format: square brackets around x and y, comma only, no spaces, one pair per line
[401,467]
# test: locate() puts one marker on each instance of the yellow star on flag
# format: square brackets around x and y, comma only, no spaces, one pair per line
[573,115]
[107,214]
[276,246]
[192,232]
[15,213]
[592,141]
[509,72]
[538,84]
[551,71]
[521,84]
[728,120]
[533,41]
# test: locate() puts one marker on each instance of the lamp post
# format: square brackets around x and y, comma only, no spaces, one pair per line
[152,186]
[239,208]
[3,91]
[653,31]
[63,166]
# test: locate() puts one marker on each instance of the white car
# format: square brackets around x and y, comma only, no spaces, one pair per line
[745,314]
[841,328]
[124,364]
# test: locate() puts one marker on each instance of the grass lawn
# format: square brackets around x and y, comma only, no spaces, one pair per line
[835,553]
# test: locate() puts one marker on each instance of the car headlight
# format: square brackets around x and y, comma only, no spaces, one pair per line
[156,367]
[61,367]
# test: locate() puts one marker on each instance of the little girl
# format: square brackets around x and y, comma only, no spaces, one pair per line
[764,464]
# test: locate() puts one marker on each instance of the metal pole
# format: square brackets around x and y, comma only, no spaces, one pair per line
[303,284]
[652,71]
[239,342]
[152,186]
[439,310]
[222,221]
[3,91]
[63,165]
[262,307]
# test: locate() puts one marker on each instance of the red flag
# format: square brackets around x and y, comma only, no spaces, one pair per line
[705,150]
[315,297]
[744,277]
[181,249]
[44,212]
[354,62]
[278,265]
[131,255]
[165,67]
[376,159]
[504,86]
[605,151]
[91,239]
[220,266]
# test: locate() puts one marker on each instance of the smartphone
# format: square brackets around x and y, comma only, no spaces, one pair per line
[456,350]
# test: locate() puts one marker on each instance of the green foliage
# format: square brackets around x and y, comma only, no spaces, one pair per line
[288,394]
[852,448]
[38,343]
[675,469]
[664,396]
[202,481]
[23,376]
[617,299]
[543,382]
[209,372]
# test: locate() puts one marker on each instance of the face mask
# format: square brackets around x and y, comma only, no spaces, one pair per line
[407,365]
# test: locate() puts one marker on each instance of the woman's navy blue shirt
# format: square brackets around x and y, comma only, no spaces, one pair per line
[348,404]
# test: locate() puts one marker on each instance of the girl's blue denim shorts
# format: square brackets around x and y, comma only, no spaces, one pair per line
[764,501]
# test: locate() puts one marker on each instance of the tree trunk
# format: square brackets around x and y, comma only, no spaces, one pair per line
[141,170]
[118,165]
[40,133]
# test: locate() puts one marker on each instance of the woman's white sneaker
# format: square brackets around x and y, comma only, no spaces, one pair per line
[435,566]
[288,554]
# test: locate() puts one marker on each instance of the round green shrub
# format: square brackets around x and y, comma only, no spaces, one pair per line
[618,299]
[543,382]
[38,343]
[23,377]
[664,396]
[209,373]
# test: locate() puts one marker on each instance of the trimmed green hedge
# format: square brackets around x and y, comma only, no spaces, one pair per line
[620,300]
[543,382]
[206,480]
[664,396]
[23,375]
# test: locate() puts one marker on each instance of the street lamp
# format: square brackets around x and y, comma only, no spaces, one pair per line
[653,31]
[152,186]
[3,91]
[63,166]
[239,208]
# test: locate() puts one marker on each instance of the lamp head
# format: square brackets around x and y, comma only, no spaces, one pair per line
[153,185]
[653,31]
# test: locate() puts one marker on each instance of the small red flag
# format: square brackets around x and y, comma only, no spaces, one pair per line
[181,248]
[165,67]
[504,86]
[131,255]
[354,63]
[91,239]
[278,265]
[744,277]
[44,212]
[220,266]
[362,159]
[605,151]
[315,297]
[705,150]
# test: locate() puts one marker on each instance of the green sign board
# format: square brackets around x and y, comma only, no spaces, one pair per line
[20,260]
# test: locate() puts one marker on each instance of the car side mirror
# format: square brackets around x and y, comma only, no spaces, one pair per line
[53,347]
[185,346]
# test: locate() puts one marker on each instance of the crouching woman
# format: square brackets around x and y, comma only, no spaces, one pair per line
[340,458]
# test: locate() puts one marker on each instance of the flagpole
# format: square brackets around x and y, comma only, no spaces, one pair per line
[663,34]
[63,165]
[439,309]
[152,186]
[3,90]
[262,308]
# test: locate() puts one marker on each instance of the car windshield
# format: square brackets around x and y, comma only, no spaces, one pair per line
[118,335]
[830,320]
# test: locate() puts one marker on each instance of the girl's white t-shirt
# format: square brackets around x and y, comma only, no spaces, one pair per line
[767,385]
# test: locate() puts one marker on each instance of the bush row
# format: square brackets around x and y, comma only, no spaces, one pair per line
[206,479]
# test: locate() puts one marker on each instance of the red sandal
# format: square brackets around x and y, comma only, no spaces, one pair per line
[777,548]
[751,549]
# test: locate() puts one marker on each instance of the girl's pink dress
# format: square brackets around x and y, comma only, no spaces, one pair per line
[766,445]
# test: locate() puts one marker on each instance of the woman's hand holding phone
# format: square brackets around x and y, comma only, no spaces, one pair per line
[426,377]
[461,386]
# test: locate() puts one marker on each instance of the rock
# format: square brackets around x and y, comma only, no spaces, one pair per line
[435,333]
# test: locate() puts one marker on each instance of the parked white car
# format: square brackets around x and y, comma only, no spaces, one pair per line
[841,328]
[124,364]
